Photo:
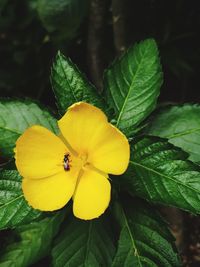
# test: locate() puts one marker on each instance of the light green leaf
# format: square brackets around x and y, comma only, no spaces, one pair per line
[181,125]
[34,242]
[70,85]
[62,17]
[144,240]
[15,117]
[161,173]
[84,243]
[132,85]
[14,210]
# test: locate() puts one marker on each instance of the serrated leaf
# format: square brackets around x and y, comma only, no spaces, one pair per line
[161,173]
[14,210]
[70,85]
[181,125]
[84,243]
[144,240]
[34,242]
[63,17]
[15,117]
[132,85]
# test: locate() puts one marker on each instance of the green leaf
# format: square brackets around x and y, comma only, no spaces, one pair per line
[14,210]
[62,17]
[132,85]
[84,243]
[181,125]
[161,173]
[34,242]
[145,240]
[70,85]
[15,117]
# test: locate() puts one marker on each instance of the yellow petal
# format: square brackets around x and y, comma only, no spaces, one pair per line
[79,124]
[50,193]
[87,130]
[39,153]
[110,150]
[92,195]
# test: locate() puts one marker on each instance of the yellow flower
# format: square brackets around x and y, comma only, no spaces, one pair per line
[74,164]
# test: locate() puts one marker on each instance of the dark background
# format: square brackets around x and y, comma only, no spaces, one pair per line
[28,46]
[92,34]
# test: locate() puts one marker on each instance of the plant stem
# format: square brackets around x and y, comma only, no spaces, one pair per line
[119,26]
[95,41]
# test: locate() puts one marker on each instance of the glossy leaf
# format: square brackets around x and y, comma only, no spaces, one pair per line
[145,240]
[15,117]
[132,85]
[84,243]
[70,85]
[181,125]
[161,173]
[33,242]
[14,210]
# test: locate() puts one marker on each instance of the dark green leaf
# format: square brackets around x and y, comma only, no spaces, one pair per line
[132,85]
[70,86]
[181,125]
[34,242]
[14,209]
[15,117]
[161,173]
[84,243]
[63,17]
[144,240]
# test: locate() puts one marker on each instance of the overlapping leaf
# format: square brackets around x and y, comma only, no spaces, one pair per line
[84,243]
[70,86]
[161,173]
[144,240]
[132,85]
[34,242]
[181,125]
[14,210]
[15,117]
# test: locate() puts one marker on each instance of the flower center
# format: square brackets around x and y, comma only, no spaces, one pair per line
[83,157]
[79,161]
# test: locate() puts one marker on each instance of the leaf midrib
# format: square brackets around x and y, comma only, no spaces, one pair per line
[10,130]
[88,243]
[13,200]
[166,176]
[135,251]
[183,133]
[63,69]
[130,89]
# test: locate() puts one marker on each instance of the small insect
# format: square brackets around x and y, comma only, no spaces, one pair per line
[66,162]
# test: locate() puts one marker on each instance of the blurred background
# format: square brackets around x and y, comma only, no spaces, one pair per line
[92,33]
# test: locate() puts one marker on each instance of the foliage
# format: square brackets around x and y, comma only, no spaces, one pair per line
[132,85]
[84,244]
[131,232]
[144,239]
[182,129]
